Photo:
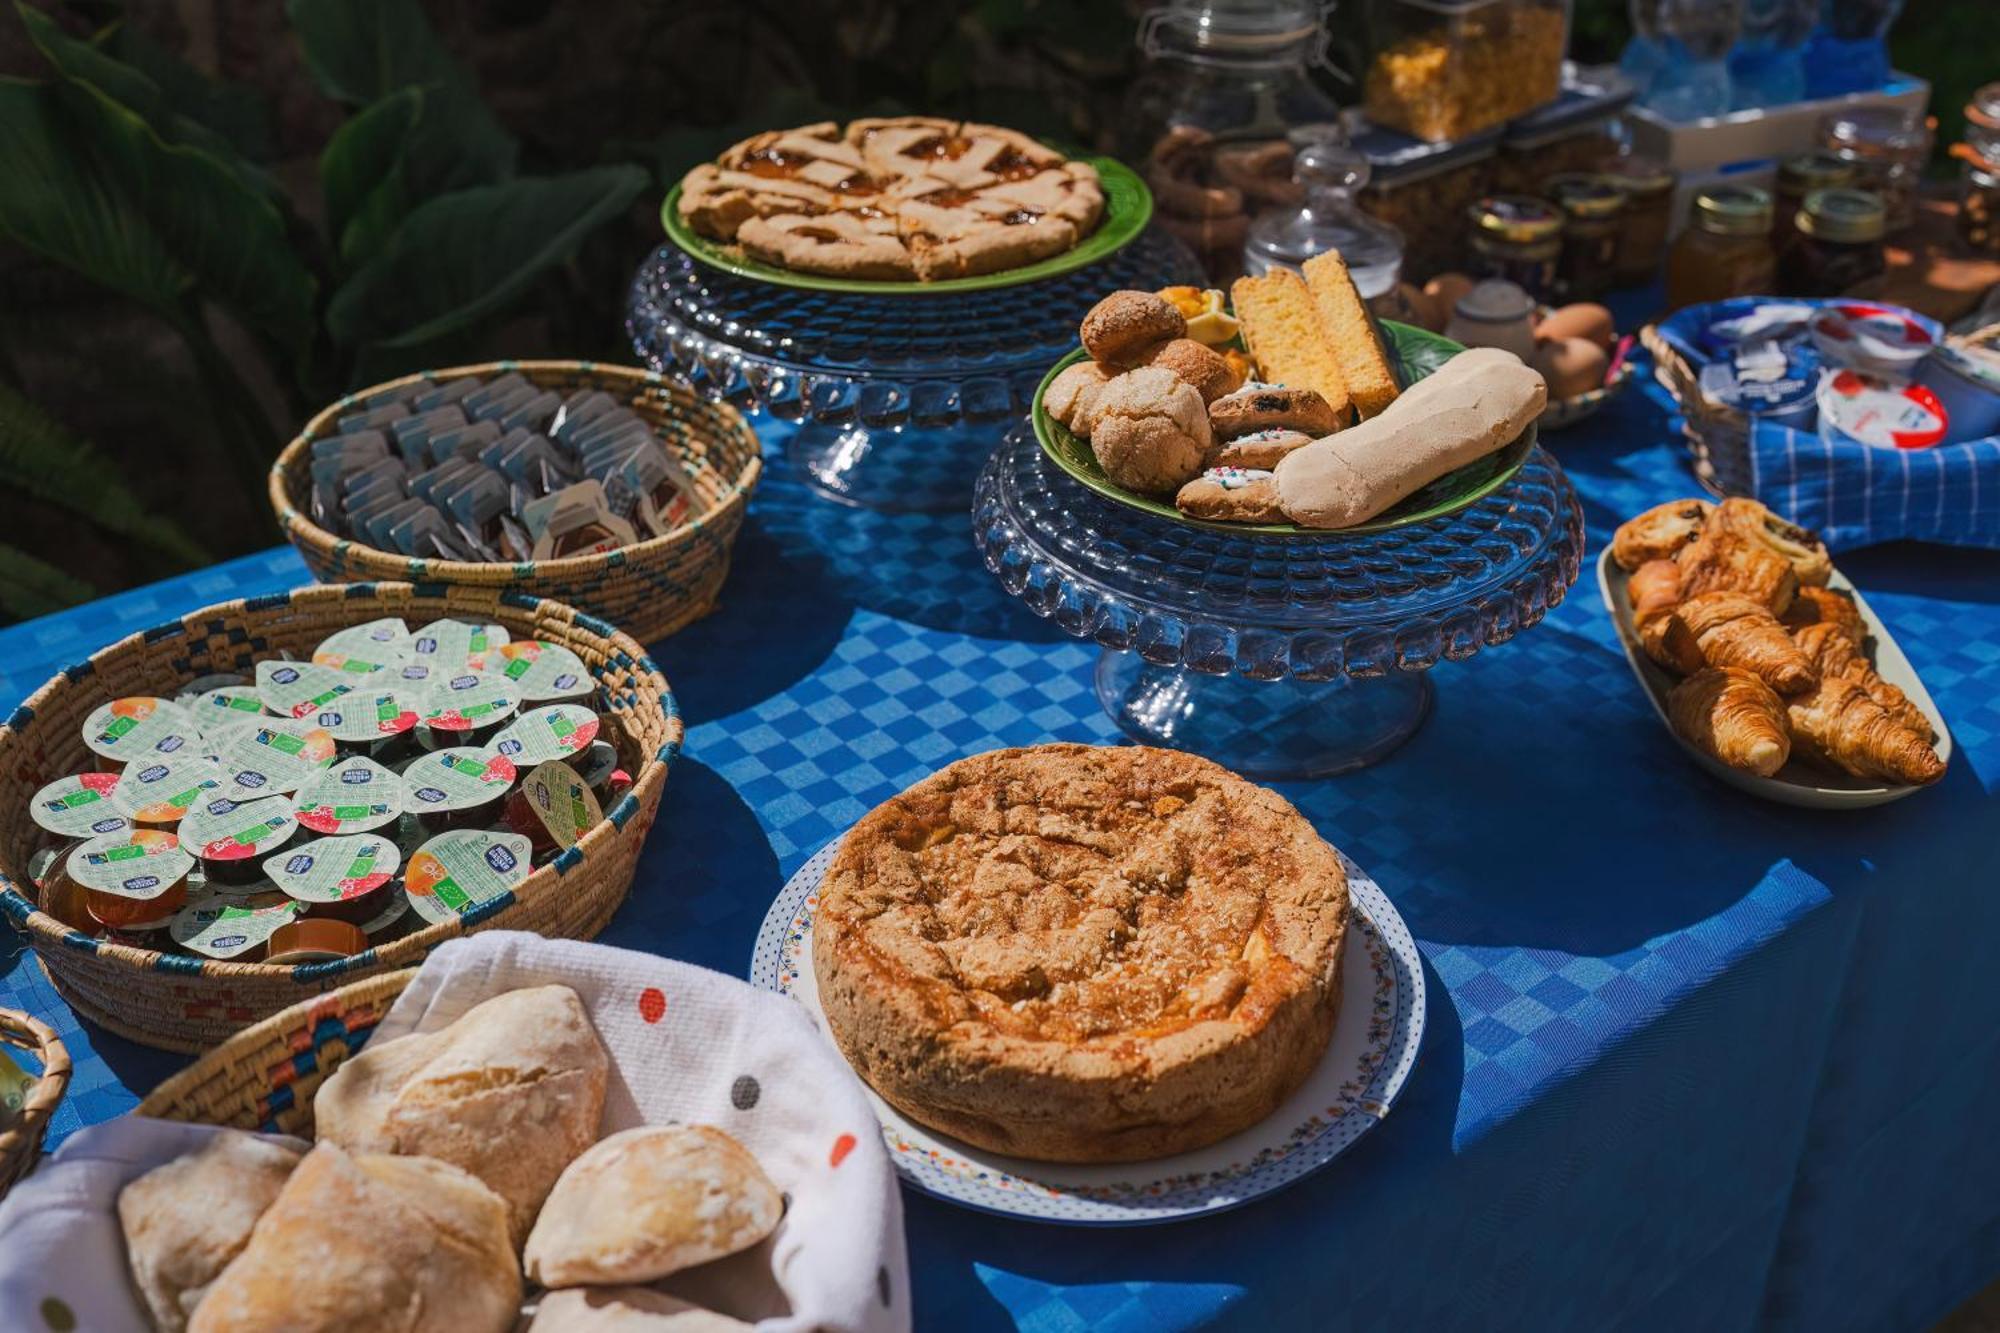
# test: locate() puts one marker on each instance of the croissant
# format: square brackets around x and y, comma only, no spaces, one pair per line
[1815,606]
[1839,725]
[1734,716]
[1655,589]
[1659,533]
[1800,548]
[1734,631]
[1833,653]
[1724,562]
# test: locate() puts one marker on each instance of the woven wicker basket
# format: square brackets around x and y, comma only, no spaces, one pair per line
[188,1004]
[264,1077]
[21,1142]
[1718,437]
[649,589]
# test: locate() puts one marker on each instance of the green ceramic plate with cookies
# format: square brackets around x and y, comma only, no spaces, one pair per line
[1417,352]
[1128,207]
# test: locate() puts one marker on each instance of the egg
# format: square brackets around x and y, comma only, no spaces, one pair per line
[1572,366]
[1407,305]
[1584,320]
[1444,291]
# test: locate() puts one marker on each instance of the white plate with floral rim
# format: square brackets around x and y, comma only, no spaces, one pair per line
[1373,1049]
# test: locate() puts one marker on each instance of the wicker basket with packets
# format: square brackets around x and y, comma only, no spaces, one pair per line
[606,487]
[177,984]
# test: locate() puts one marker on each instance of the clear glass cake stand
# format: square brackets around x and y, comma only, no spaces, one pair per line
[1276,656]
[898,399]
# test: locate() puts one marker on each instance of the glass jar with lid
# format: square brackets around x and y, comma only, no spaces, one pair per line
[1799,176]
[1592,206]
[1725,250]
[1444,69]
[1838,244]
[1648,184]
[1207,119]
[1518,238]
[1887,147]
[1979,191]
[1328,171]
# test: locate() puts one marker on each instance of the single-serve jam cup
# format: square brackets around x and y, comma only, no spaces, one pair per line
[231,838]
[350,878]
[353,795]
[458,787]
[462,868]
[139,728]
[132,876]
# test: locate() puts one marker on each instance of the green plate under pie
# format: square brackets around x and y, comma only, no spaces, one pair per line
[1418,353]
[1128,207]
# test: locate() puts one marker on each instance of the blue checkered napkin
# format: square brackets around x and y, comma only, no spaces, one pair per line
[1859,494]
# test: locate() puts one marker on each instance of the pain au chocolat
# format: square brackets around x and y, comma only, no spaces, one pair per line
[1083,954]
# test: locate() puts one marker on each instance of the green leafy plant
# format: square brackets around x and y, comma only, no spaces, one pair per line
[133,171]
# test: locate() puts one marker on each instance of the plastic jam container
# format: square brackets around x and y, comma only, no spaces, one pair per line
[1870,409]
[462,868]
[355,795]
[131,877]
[543,672]
[78,806]
[456,787]
[350,878]
[161,792]
[229,837]
[138,727]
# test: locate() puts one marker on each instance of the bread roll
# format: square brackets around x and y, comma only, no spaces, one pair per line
[371,1244]
[511,1092]
[626,1310]
[649,1202]
[186,1220]
[1478,401]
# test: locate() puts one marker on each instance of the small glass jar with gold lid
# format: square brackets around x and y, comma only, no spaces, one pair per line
[1592,206]
[1725,250]
[1519,238]
[1798,177]
[1838,244]
[1648,184]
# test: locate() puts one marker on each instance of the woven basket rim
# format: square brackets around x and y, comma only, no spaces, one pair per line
[48,931]
[23,1029]
[261,1034]
[460,571]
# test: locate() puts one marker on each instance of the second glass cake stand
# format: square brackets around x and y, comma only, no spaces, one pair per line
[1276,656]
[897,398]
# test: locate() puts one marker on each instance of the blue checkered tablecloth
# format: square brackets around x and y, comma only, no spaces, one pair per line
[1692,1061]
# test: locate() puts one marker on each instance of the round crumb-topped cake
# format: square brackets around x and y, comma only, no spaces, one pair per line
[1083,954]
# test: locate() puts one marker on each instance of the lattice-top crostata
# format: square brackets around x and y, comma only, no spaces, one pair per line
[910,197]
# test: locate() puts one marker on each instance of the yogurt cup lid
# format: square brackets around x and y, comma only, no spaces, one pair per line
[468,700]
[1761,377]
[1856,334]
[138,863]
[354,795]
[561,802]
[1880,411]
[462,868]
[365,648]
[454,643]
[226,705]
[301,689]
[161,792]
[1752,319]
[79,806]
[331,870]
[456,778]
[226,927]
[554,732]
[271,755]
[370,713]
[139,727]
[542,670]
[225,830]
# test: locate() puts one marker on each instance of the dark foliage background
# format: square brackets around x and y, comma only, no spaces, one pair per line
[133,432]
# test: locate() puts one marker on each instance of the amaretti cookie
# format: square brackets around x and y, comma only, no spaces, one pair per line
[1081,953]
[1151,431]
[1126,327]
[1071,397]
[1202,367]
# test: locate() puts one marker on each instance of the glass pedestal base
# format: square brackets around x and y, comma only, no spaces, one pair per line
[904,469]
[1267,729]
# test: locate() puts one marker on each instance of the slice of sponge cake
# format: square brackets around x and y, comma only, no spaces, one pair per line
[1371,382]
[1283,332]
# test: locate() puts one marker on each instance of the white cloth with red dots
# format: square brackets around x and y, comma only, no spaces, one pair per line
[686,1044]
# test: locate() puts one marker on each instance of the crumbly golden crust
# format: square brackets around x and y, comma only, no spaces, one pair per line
[1078,953]
[959,198]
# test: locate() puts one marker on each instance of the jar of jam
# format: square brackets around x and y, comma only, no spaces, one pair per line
[1838,245]
[1517,238]
[1726,249]
[1798,177]
[1591,206]
[1648,184]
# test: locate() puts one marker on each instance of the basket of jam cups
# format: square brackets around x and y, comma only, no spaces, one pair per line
[257,1080]
[27,1099]
[215,818]
[610,488]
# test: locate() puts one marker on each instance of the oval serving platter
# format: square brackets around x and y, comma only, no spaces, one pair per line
[1798,782]
[1373,1048]
[1418,353]
[1128,207]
